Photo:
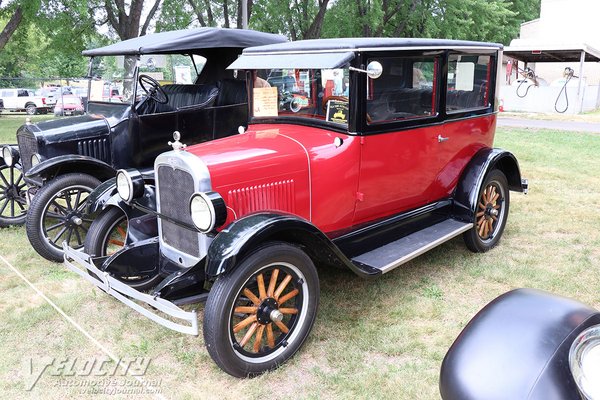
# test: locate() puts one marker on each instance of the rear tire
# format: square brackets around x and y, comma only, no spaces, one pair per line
[491,213]
[57,213]
[106,236]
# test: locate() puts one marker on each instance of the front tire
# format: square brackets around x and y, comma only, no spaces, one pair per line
[106,236]
[30,109]
[13,202]
[491,213]
[258,315]
[57,214]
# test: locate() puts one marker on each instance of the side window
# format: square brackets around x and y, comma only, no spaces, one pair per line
[22,93]
[8,93]
[468,82]
[405,90]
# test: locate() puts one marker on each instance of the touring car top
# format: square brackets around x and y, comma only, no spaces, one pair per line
[361,153]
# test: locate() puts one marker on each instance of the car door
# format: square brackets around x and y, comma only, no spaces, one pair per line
[470,120]
[399,149]
[9,97]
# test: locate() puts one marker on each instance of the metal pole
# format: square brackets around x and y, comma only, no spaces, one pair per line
[244,14]
[580,86]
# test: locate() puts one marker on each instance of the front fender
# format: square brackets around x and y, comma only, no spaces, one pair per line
[246,234]
[107,192]
[467,192]
[54,166]
[517,347]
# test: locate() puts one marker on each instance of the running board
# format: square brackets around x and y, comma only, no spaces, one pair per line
[394,254]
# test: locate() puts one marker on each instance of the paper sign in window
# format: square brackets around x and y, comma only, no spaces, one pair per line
[465,75]
[265,102]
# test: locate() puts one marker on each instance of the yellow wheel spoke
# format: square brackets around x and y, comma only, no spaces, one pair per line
[244,323]
[248,293]
[479,214]
[249,334]
[282,286]
[288,296]
[261,287]
[258,340]
[282,326]
[245,310]
[273,282]
[288,310]
[270,337]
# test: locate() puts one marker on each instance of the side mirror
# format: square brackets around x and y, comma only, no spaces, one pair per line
[374,69]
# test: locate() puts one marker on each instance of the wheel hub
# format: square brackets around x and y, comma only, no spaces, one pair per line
[268,311]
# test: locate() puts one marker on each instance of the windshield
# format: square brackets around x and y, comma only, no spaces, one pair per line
[113,78]
[314,94]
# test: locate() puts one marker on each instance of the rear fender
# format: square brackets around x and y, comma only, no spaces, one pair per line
[243,236]
[467,192]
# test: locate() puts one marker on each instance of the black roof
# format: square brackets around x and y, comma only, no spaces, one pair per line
[187,40]
[354,44]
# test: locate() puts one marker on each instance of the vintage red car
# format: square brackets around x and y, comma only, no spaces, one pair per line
[380,151]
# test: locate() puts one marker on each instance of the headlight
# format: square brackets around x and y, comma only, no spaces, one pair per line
[10,155]
[130,184]
[35,159]
[208,211]
[584,360]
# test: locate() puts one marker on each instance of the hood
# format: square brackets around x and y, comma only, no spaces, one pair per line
[263,169]
[66,129]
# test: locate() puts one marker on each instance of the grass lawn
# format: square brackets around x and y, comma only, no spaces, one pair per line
[10,122]
[383,338]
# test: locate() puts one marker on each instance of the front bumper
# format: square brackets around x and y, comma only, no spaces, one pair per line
[82,264]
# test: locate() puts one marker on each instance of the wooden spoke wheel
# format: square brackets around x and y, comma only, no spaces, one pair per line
[259,315]
[57,215]
[108,235]
[491,213]
[13,203]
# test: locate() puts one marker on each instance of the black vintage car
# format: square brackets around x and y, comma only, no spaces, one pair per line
[140,92]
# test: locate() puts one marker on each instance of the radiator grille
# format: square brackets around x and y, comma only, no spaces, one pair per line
[97,148]
[27,148]
[272,196]
[175,189]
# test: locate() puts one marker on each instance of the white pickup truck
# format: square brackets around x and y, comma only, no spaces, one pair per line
[24,100]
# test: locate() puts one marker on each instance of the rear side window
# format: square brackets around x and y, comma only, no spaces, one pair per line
[405,90]
[468,82]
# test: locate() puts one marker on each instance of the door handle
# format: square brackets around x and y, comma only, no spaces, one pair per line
[442,139]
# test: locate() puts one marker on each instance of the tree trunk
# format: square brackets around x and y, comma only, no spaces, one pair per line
[226,13]
[11,26]
[314,31]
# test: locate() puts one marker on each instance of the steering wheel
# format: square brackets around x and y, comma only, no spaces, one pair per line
[154,90]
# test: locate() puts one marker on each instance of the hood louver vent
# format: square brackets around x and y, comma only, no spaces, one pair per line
[97,148]
[272,196]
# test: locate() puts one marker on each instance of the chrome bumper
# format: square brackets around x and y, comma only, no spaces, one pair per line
[81,264]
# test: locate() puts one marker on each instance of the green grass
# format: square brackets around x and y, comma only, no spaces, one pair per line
[10,122]
[383,338]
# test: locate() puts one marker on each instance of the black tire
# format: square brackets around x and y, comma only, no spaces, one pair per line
[30,109]
[228,341]
[492,209]
[13,202]
[53,210]
[104,230]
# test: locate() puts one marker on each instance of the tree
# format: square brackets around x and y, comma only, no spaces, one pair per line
[125,21]
[298,19]
[18,11]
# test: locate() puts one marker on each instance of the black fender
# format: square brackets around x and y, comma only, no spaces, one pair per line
[100,196]
[472,177]
[248,233]
[54,166]
[142,223]
[517,347]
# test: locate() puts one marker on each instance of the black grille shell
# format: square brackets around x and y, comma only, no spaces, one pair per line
[27,147]
[175,187]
